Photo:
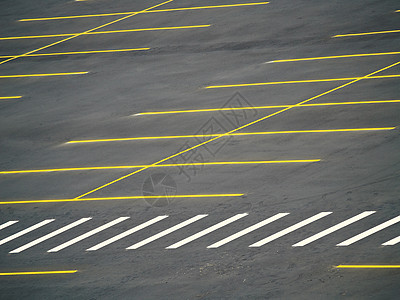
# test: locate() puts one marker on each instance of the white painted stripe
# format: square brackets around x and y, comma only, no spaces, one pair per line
[9,223]
[290,229]
[206,231]
[247,230]
[87,234]
[165,232]
[126,233]
[50,235]
[369,232]
[25,231]
[392,242]
[333,229]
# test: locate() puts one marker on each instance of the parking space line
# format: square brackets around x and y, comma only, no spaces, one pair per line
[298,81]
[25,231]
[126,233]
[50,235]
[331,57]
[367,266]
[392,242]
[43,75]
[39,273]
[333,229]
[206,231]
[103,32]
[166,232]
[145,12]
[88,234]
[218,163]
[247,230]
[366,33]
[120,198]
[78,52]
[6,224]
[290,229]
[369,232]
[10,97]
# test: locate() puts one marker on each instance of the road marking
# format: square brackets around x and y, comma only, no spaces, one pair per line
[42,75]
[39,273]
[50,235]
[366,33]
[25,231]
[10,97]
[368,266]
[6,224]
[102,32]
[232,134]
[366,233]
[392,242]
[166,232]
[247,230]
[217,163]
[152,11]
[126,233]
[121,198]
[331,57]
[77,52]
[206,231]
[298,81]
[333,228]
[88,234]
[290,229]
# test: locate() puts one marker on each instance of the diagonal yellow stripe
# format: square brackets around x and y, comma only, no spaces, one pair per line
[366,33]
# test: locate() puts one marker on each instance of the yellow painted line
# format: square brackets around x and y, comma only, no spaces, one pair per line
[79,52]
[120,198]
[366,33]
[42,75]
[232,134]
[103,32]
[368,266]
[10,97]
[332,57]
[39,273]
[218,163]
[298,81]
[152,11]
[261,107]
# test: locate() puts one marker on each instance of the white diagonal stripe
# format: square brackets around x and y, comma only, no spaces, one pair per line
[50,235]
[165,232]
[392,242]
[369,232]
[6,224]
[25,231]
[247,230]
[333,228]
[206,231]
[290,229]
[87,234]
[126,233]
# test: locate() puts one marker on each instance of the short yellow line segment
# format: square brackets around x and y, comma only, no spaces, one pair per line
[366,33]
[145,12]
[42,75]
[10,97]
[39,273]
[368,266]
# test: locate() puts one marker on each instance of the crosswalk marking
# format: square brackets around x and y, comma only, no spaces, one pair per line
[290,229]
[247,230]
[25,231]
[392,242]
[88,234]
[206,231]
[369,232]
[126,233]
[50,235]
[6,224]
[333,228]
[165,232]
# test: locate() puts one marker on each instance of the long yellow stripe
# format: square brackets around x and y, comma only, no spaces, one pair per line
[79,52]
[10,97]
[366,33]
[42,75]
[145,12]
[120,198]
[39,273]
[298,81]
[102,32]
[368,266]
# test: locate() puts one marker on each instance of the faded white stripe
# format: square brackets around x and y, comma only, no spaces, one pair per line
[25,231]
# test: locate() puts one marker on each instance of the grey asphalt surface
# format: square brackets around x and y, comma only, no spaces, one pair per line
[358,171]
